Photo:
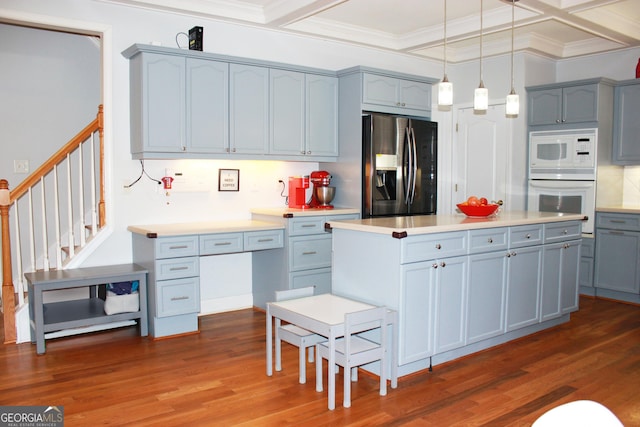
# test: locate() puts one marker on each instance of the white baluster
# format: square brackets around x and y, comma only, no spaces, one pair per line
[45,239]
[56,214]
[32,239]
[70,237]
[94,204]
[81,213]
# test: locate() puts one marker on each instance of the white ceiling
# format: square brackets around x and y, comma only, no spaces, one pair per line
[551,28]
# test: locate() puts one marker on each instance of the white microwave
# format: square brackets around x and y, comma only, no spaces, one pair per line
[563,154]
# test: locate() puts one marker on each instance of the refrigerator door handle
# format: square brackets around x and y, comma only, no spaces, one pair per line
[415,165]
[409,167]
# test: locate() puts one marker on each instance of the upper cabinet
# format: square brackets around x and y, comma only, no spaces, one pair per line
[396,92]
[626,129]
[566,105]
[190,104]
[304,114]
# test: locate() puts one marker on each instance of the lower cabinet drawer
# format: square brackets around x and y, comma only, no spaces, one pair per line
[175,268]
[560,231]
[525,235]
[320,279]
[431,246]
[487,240]
[307,252]
[259,240]
[177,296]
[223,243]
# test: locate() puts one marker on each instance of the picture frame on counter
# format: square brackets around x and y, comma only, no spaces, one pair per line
[229,180]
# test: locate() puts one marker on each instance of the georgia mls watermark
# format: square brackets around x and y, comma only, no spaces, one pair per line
[31,416]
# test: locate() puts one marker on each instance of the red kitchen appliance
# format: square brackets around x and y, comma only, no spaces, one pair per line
[322,193]
[298,192]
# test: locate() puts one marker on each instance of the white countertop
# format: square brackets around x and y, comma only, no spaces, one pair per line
[303,212]
[632,209]
[207,227]
[425,224]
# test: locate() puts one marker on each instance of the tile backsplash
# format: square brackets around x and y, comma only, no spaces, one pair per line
[631,186]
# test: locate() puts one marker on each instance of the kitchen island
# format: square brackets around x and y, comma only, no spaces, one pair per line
[460,284]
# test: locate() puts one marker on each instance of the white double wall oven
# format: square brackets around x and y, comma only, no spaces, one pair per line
[562,173]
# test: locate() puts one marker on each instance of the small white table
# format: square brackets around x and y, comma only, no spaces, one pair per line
[324,315]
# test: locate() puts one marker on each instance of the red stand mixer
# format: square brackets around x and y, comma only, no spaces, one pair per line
[321,195]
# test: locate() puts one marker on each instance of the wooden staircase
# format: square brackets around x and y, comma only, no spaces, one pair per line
[51,205]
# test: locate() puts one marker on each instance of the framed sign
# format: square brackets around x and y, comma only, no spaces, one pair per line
[229,180]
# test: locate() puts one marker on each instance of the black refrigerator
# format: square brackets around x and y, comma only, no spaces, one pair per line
[399,165]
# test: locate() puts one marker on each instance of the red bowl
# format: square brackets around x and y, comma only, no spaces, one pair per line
[481,211]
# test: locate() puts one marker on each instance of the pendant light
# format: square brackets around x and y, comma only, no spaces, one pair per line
[481,94]
[445,88]
[513,100]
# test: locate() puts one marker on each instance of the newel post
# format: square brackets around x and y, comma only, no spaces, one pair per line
[8,292]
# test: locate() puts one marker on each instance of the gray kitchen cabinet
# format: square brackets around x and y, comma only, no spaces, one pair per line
[304,114]
[486,296]
[157,103]
[417,293]
[626,126]
[449,276]
[561,263]
[191,104]
[178,105]
[304,260]
[569,104]
[396,92]
[248,109]
[587,255]
[617,259]
[523,286]
[174,283]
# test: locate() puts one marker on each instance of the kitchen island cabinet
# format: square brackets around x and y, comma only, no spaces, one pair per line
[459,284]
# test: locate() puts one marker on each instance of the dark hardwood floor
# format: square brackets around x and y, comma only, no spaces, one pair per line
[217,377]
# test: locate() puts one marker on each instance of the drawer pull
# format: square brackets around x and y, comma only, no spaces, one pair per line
[264,240]
[438,246]
[528,236]
[178,268]
[179,247]
[179,298]
[308,226]
[309,253]
[489,240]
[222,243]
[565,231]
[618,221]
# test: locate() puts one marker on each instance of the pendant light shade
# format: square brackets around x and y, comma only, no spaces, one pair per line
[512,107]
[445,88]
[481,94]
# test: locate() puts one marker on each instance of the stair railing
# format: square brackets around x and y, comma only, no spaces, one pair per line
[67,201]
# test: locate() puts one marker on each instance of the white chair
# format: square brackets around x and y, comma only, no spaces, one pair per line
[583,413]
[295,335]
[353,351]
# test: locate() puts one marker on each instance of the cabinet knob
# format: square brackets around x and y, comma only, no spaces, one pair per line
[438,246]
[443,264]
[489,240]
[528,236]
[565,232]
[514,253]
[435,265]
[558,121]
[302,152]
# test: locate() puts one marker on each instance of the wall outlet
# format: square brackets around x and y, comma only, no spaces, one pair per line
[21,166]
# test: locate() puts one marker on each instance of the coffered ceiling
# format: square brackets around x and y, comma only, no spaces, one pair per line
[551,28]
